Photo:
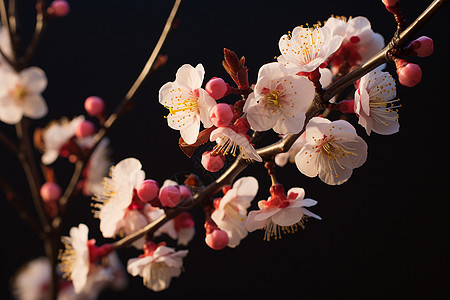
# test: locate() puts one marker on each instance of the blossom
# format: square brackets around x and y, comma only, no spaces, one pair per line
[55,136]
[281,213]
[307,48]
[281,159]
[187,102]
[5,45]
[97,168]
[332,151]
[75,261]
[157,266]
[20,94]
[228,141]
[279,100]
[374,104]
[32,279]
[231,213]
[117,195]
[359,43]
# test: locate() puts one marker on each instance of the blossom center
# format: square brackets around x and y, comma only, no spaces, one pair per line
[274,98]
[335,150]
[19,92]
[188,104]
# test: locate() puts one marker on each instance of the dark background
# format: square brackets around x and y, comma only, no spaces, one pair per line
[384,233]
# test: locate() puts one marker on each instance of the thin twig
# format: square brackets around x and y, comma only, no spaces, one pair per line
[23,211]
[268,152]
[39,28]
[8,143]
[120,110]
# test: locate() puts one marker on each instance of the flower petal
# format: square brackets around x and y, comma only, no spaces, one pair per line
[34,106]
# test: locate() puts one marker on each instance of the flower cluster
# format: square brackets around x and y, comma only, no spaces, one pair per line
[287,97]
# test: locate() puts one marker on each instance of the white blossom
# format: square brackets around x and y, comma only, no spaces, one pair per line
[20,94]
[279,100]
[229,141]
[158,268]
[332,151]
[231,213]
[187,102]
[280,213]
[307,48]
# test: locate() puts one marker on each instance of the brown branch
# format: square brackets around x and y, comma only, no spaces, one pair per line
[23,211]
[268,152]
[39,28]
[120,110]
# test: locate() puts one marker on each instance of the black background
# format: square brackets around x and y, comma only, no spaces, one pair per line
[384,233]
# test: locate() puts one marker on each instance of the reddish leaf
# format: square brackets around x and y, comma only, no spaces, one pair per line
[203,138]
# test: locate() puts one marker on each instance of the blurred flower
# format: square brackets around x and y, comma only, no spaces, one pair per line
[187,102]
[157,266]
[280,213]
[359,41]
[20,94]
[307,48]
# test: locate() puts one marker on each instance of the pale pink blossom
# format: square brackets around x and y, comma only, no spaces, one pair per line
[359,43]
[307,48]
[229,141]
[56,135]
[187,102]
[75,262]
[281,213]
[97,168]
[157,266]
[279,100]
[332,151]
[375,103]
[231,213]
[20,94]
[117,195]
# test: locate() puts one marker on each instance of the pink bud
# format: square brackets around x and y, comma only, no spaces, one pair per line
[185,192]
[216,87]
[212,163]
[84,128]
[408,74]
[50,192]
[217,240]
[390,2]
[347,106]
[59,8]
[221,114]
[169,196]
[148,190]
[426,46]
[94,106]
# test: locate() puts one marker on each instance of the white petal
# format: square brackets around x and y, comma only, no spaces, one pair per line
[10,113]
[252,224]
[34,79]
[190,77]
[34,106]
[287,216]
[190,132]
[307,161]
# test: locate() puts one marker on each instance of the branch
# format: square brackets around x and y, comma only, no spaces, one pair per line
[120,110]
[38,30]
[22,210]
[268,152]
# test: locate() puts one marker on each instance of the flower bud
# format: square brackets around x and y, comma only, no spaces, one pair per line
[390,2]
[94,106]
[213,162]
[217,240]
[148,190]
[59,8]
[425,48]
[169,196]
[242,126]
[221,114]
[408,74]
[185,192]
[50,192]
[84,128]
[216,88]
